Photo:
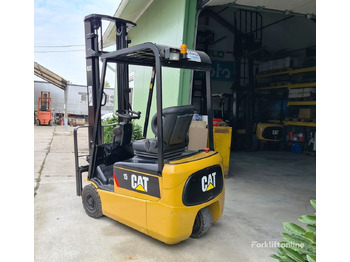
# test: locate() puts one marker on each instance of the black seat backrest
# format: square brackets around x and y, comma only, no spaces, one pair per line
[176,123]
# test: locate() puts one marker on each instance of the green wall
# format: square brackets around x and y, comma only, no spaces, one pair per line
[188,39]
[170,23]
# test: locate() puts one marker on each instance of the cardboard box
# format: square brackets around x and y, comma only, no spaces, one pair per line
[277,64]
[307,113]
[307,92]
[265,66]
[282,63]
[309,89]
[198,135]
[295,93]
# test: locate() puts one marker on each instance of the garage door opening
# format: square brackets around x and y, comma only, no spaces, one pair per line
[263,77]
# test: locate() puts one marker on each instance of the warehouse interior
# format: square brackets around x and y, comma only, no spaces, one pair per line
[263,77]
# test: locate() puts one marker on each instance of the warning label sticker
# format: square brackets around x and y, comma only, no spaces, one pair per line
[90,95]
[193,56]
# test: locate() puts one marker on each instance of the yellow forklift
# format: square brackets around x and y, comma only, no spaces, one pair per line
[154,185]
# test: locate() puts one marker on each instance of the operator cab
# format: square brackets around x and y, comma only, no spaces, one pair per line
[176,123]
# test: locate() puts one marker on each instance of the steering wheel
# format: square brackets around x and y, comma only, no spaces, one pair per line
[128,114]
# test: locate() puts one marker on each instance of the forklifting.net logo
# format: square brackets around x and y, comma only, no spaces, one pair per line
[208,182]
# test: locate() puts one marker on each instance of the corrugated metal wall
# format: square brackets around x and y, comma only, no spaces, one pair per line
[77,98]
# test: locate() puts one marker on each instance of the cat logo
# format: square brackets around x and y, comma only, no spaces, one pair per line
[275,132]
[208,182]
[139,182]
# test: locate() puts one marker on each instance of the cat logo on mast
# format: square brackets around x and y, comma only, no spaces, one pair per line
[208,182]
[139,182]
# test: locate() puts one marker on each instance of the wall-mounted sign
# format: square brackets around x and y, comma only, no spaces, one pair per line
[222,70]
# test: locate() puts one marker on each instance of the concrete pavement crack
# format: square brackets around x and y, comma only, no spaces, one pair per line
[43,164]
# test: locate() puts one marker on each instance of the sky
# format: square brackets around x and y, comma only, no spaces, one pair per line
[59,34]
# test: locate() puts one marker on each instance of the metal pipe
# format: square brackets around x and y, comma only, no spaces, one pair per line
[66,107]
[159,114]
[263,9]
[97,134]
[78,181]
[78,169]
[209,111]
[276,22]
[194,47]
[149,102]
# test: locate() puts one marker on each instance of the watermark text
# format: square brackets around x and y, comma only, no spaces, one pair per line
[275,244]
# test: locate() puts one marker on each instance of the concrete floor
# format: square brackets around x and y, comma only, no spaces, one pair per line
[263,190]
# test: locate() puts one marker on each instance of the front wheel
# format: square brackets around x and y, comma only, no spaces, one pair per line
[92,201]
[202,223]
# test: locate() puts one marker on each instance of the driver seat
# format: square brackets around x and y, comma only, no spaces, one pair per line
[176,123]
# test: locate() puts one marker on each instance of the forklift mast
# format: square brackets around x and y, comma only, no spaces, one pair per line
[95,78]
[44,102]
[95,84]
[44,112]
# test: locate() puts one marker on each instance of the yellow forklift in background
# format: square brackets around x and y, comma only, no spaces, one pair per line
[154,185]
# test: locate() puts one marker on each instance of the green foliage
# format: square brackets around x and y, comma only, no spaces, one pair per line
[136,131]
[308,219]
[300,243]
[311,258]
[108,130]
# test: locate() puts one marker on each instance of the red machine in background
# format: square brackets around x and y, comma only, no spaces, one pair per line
[44,114]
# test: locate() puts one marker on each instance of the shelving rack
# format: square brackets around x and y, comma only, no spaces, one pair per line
[289,86]
[288,71]
[298,123]
[284,84]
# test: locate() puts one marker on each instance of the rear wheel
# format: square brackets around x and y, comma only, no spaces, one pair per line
[202,223]
[92,201]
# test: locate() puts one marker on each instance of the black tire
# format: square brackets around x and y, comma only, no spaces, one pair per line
[92,201]
[202,223]
[37,122]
